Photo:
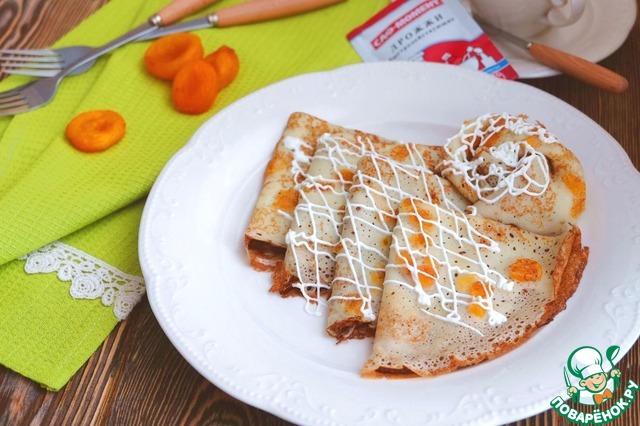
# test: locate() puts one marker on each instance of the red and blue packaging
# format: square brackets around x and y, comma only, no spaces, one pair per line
[431,31]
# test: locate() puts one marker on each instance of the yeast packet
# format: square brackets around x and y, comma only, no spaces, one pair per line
[431,31]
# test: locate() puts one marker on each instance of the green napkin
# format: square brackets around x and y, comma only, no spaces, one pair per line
[47,335]
[92,203]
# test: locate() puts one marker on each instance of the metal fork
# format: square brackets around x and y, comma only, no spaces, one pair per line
[43,62]
[36,94]
[49,62]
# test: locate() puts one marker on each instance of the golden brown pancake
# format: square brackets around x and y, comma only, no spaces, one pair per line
[469,290]
[371,213]
[265,235]
[308,267]
[516,172]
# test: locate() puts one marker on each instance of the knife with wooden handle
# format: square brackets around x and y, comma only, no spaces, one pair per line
[579,68]
[174,11]
[245,13]
[177,10]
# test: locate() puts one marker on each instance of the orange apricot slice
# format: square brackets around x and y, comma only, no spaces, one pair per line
[523,270]
[94,131]
[226,62]
[165,56]
[195,88]
[476,310]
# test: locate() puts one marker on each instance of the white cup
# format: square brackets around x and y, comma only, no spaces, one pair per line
[528,18]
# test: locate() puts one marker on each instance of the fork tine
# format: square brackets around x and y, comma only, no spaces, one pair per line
[32,73]
[9,93]
[29,52]
[11,105]
[15,110]
[9,99]
[15,90]
[43,59]
[37,65]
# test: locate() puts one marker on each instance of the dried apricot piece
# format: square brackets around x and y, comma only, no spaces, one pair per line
[226,63]
[346,175]
[429,274]
[418,241]
[478,289]
[94,131]
[578,188]
[523,270]
[476,310]
[406,257]
[195,87]
[165,56]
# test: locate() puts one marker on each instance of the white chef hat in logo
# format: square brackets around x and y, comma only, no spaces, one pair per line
[585,361]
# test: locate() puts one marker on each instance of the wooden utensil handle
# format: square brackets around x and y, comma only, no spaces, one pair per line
[256,11]
[579,68]
[178,9]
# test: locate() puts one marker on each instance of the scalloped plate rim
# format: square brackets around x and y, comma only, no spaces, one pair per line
[184,345]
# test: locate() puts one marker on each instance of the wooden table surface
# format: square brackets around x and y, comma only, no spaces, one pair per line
[137,377]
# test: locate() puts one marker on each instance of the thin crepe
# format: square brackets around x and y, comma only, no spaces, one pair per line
[371,213]
[265,235]
[470,290]
[516,172]
[308,267]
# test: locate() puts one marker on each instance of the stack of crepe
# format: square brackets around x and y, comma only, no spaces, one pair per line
[446,256]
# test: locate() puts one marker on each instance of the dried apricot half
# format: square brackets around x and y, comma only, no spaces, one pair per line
[523,270]
[226,63]
[97,130]
[195,87]
[165,56]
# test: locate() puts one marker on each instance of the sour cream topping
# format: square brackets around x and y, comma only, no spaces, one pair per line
[511,167]
[326,216]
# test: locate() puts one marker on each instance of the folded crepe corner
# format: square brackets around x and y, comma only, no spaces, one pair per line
[422,339]
[546,188]
[264,238]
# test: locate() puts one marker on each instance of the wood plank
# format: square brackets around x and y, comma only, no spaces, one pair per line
[37,24]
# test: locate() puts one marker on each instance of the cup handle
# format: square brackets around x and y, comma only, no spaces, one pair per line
[565,12]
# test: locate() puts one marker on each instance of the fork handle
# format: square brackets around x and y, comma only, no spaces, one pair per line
[177,10]
[256,11]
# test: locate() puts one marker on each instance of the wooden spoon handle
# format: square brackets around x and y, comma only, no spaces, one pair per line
[178,9]
[579,68]
[257,11]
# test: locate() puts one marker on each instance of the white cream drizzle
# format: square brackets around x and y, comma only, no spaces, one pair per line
[295,145]
[343,155]
[450,298]
[392,195]
[300,158]
[515,159]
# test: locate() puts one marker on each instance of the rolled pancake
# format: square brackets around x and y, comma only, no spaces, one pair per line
[308,267]
[265,235]
[371,213]
[468,290]
[516,172]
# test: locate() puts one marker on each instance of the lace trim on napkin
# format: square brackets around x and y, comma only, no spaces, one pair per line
[90,278]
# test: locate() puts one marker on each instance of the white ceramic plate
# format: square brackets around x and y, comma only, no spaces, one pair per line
[599,32]
[268,352]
